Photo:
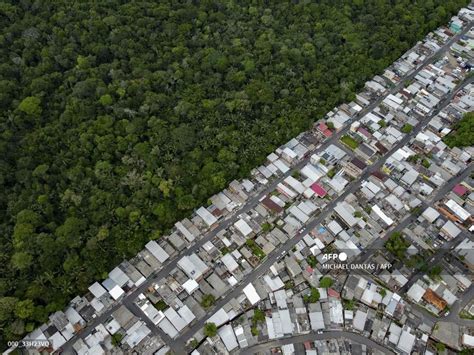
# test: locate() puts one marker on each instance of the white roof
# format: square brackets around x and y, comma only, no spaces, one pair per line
[458,210]
[286,323]
[359,320]
[190,286]
[251,294]
[312,172]
[406,342]
[136,334]
[243,227]
[430,214]
[229,262]
[184,231]
[300,215]
[317,320]
[186,314]
[286,190]
[116,292]
[272,157]
[57,340]
[334,227]
[382,215]
[207,217]
[345,211]
[295,184]
[168,328]
[175,319]
[281,166]
[219,318]
[468,340]
[275,283]
[290,153]
[228,337]
[410,176]
[193,266]
[73,316]
[336,312]
[451,229]
[118,276]
[97,290]
[395,332]
[232,281]
[157,251]
[416,292]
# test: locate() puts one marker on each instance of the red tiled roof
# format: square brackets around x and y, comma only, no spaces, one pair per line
[379,175]
[333,293]
[318,189]
[271,205]
[365,132]
[460,190]
[327,133]
[434,299]
[322,126]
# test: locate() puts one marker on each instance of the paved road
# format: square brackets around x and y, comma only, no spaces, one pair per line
[264,348]
[453,315]
[251,203]
[178,343]
[436,259]
[405,222]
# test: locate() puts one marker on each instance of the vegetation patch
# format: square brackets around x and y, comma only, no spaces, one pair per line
[350,142]
[255,248]
[463,132]
[120,118]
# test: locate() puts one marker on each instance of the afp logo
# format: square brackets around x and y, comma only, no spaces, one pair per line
[334,256]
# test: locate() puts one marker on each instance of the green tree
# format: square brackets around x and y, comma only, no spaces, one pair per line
[462,135]
[325,282]
[117,339]
[21,260]
[208,301]
[210,330]
[24,309]
[106,100]
[407,128]
[31,105]
[313,296]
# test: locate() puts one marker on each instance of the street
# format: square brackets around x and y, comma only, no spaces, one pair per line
[178,344]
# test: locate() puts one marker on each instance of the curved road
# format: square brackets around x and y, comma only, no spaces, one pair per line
[265,347]
[183,338]
[129,299]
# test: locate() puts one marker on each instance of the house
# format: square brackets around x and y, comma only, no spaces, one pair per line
[193,266]
[416,292]
[272,205]
[432,298]
[359,320]
[243,227]
[251,294]
[227,335]
[318,189]
[346,213]
[206,216]
[354,167]
[406,342]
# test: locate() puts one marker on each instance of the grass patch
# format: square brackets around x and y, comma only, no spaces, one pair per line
[350,142]
[161,305]
[466,315]
[256,250]
[407,128]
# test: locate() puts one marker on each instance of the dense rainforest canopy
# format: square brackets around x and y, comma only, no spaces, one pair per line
[463,132]
[117,119]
